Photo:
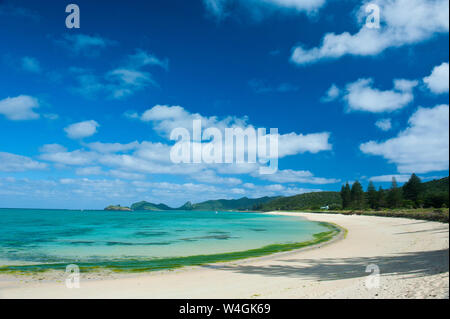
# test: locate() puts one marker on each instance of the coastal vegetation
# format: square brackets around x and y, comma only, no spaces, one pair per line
[118,208]
[429,200]
[415,199]
[149,206]
[413,194]
[302,201]
[242,204]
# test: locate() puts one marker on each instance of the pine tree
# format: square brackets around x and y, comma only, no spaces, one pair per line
[413,189]
[381,198]
[346,196]
[394,197]
[372,196]
[357,196]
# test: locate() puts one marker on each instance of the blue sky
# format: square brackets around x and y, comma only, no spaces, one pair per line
[85,113]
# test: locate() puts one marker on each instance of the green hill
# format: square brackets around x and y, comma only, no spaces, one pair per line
[243,203]
[149,206]
[118,208]
[436,186]
[220,204]
[436,193]
[303,201]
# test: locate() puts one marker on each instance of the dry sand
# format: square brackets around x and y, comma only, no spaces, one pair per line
[412,257]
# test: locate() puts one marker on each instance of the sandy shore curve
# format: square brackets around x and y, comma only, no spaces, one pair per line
[411,256]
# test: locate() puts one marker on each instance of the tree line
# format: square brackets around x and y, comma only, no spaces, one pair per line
[412,194]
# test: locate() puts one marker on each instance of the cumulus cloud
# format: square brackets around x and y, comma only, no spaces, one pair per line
[403,22]
[422,147]
[166,118]
[81,129]
[384,124]
[362,96]
[19,108]
[293,143]
[18,163]
[437,82]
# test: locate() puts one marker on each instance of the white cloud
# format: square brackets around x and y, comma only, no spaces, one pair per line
[210,177]
[52,148]
[437,82]
[142,58]
[332,94]
[361,96]
[292,176]
[81,129]
[19,108]
[119,82]
[90,170]
[112,147]
[401,178]
[131,114]
[62,157]
[259,8]
[158,152]
[124,82]
[84,44]
[403,22]
[31,65]
[384,124]
[293,143]
[18,163]
[422,147]
[166,118]
[97,170]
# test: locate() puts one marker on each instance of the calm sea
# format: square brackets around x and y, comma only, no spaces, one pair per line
[32,236]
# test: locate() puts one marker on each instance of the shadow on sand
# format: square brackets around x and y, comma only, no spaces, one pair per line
[415,264]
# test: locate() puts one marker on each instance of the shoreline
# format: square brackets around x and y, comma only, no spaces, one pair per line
[412,256]
[335,232]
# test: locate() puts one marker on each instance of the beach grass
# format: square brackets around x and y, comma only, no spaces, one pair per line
[144,265]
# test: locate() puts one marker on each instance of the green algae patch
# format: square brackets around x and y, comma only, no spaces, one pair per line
[143,265]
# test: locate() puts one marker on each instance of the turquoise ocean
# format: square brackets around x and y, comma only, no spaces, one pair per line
[140,239]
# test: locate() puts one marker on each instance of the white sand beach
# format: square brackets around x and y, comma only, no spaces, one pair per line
[412,256]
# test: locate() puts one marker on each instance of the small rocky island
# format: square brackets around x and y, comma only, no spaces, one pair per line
[118,208]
